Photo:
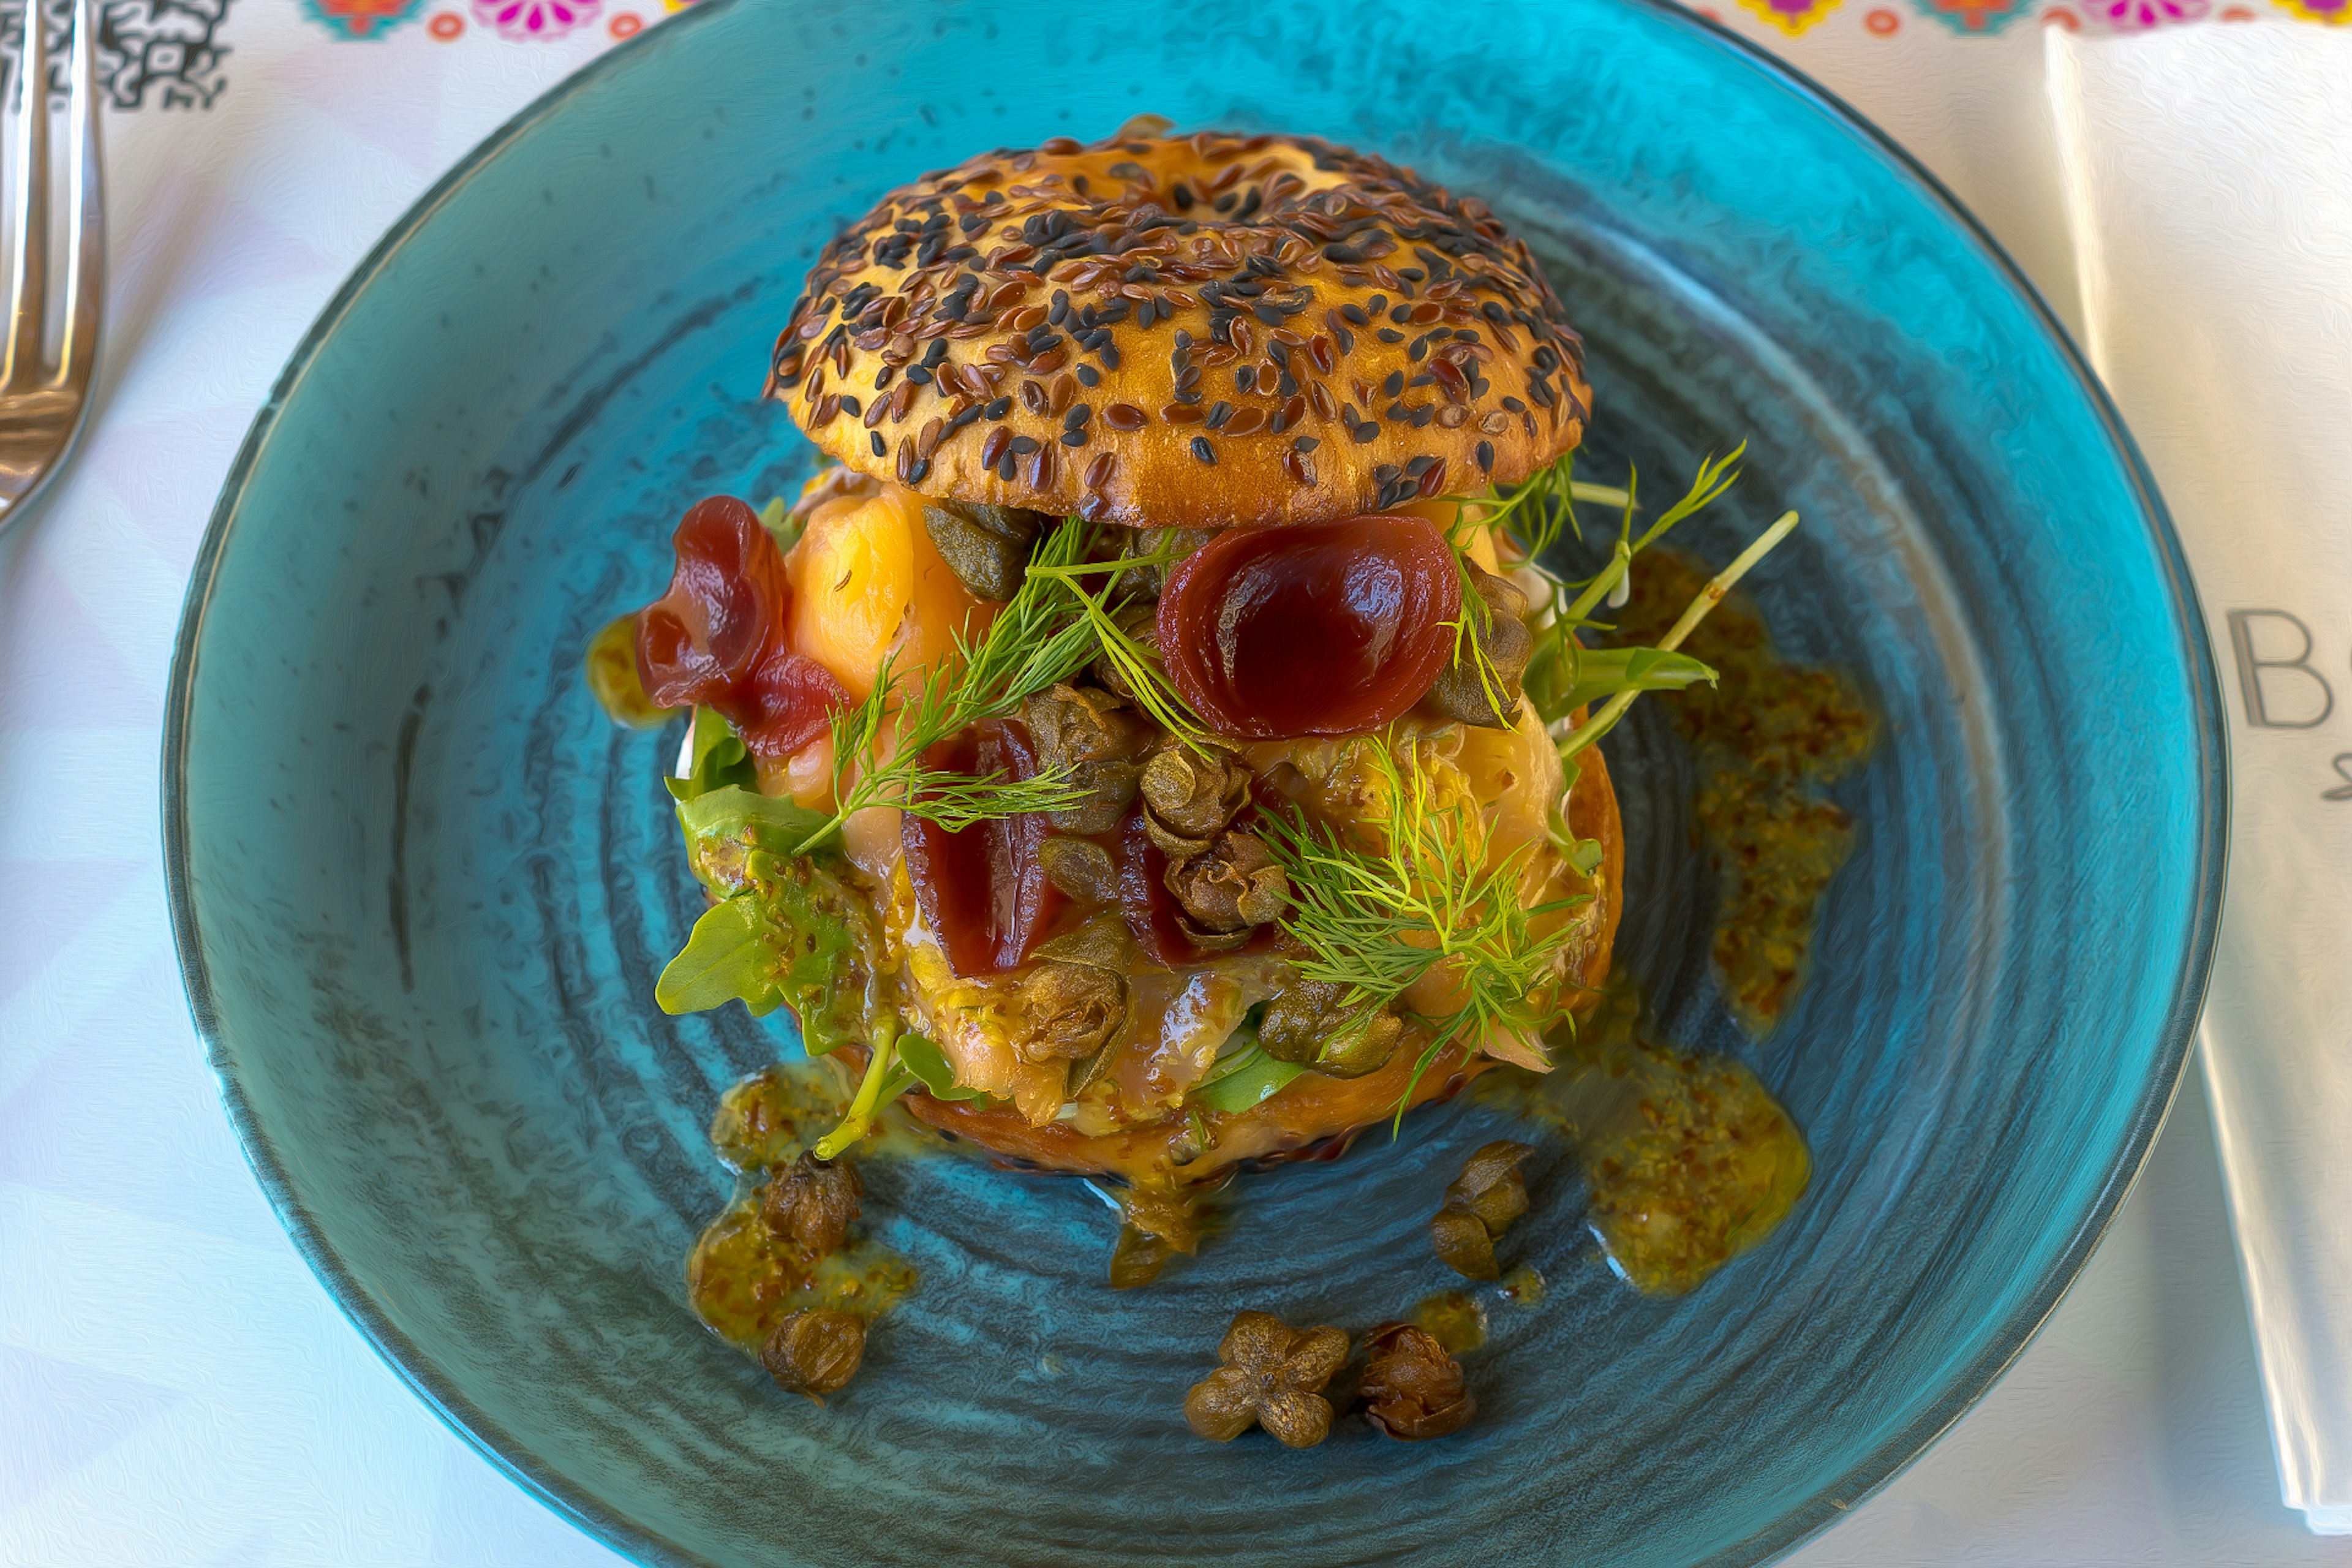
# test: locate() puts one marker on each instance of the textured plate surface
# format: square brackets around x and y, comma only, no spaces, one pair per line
[422,888]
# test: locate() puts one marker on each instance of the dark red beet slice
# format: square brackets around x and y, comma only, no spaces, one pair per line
[983,890]
[1323,628]
[788,701]
[716,636]
[726,602]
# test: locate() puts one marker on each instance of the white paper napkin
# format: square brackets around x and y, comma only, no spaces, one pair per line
[2208,177]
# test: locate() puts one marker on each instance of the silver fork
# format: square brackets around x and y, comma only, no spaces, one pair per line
[42,403]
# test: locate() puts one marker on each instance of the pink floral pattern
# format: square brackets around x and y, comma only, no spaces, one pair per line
[535,18]
[2137,15]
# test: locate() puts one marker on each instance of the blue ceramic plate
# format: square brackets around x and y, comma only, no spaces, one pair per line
[423,887]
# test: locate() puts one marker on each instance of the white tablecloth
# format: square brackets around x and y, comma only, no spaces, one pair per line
[176,1388]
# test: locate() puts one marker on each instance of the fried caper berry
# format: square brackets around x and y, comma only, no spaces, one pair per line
[815,1353]
[1413,1388]
[1273,1376]
[1480,1205]
[813,1202]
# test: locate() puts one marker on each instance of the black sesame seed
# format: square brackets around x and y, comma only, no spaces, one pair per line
[923,466]
[1109,355]
[1088,375]
[1245,378]
[1423,379]
[1395,384]
[1076,416]
[1397,411]
[880,450]
[963,419]
[1418,350]
[1022,445]
[1074,437]
[1389,335]
[1004,468]
[919,375]
[1347,341]
[1200,449]
[1355,314]
[1218,414]
[1366,431]
[1385,473]
[1267,314]
[1417,468]
[1486,454]
[1061,307]
[1376,304]
[1306,444]
[1000,409]
[851,406]
[1515,406]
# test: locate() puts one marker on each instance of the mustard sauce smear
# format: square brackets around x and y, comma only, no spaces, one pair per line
[1688,1158]
[1767,738]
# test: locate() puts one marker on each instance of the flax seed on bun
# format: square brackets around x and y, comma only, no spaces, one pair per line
[1182,331]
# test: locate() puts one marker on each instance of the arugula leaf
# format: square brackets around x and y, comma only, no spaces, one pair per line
[787,931]
[715,757]
[1241,1078]
[732,954]
[759,821]
[927,1065]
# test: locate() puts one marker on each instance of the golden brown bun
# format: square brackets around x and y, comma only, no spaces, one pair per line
[1315,1114]
[1262,328]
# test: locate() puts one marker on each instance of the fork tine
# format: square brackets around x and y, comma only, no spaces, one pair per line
[86,235]
[28,281]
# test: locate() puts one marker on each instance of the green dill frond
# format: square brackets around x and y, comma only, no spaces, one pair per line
[1137,665]
[1377,911]
[1033,642]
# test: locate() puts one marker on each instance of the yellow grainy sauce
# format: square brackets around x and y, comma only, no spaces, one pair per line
[742,1278]
[1766,740]
[1689,1160]
[1453,1319]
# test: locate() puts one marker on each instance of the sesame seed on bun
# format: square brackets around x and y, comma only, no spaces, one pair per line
[1191,332]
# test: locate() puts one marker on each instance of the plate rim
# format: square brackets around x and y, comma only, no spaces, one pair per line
[1827,1503]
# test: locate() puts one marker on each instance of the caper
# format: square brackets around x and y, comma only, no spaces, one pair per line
[1231,886]
[987,547]
[815,1353]
[1413,1388]
[1469,688]
[1080,869]
[813,1202]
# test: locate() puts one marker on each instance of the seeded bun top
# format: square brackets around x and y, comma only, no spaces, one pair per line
[1182,331]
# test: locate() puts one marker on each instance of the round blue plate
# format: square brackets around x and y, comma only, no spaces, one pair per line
[423,887]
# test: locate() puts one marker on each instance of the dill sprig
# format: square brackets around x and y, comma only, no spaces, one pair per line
[1376,919]
[1137,665]
[1033,642]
